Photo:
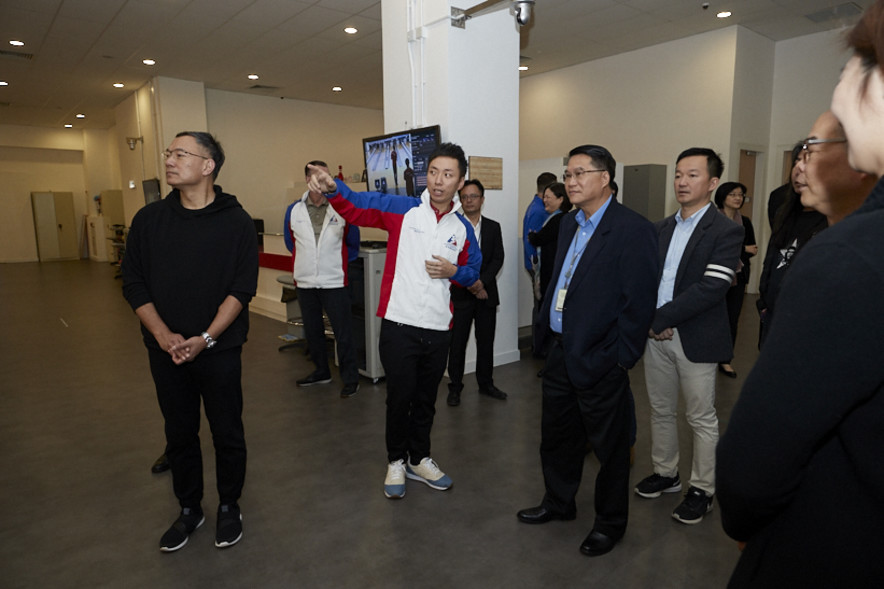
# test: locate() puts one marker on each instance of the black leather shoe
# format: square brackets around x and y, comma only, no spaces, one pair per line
[161,465]
[493,392]
[453,399]
[541,515]
[597,544]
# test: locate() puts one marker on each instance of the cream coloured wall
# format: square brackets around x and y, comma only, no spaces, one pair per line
[36,159]
[645,106]
[268,141]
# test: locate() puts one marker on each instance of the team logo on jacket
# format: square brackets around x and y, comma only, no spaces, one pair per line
[452,242]
[333,221]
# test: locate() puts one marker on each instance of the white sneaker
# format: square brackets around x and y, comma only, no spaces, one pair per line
[394,484]
[428,472]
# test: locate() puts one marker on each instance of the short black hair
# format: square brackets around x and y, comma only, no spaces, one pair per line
[713,161]
[451,150]
[477,184]
[725,189]
[544,180]
[206,140]
[600,157]
[314,163]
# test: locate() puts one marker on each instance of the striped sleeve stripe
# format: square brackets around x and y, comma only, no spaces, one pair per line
[723,272]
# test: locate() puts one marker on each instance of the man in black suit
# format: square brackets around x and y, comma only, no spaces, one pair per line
[597,310]
[699,253]
[478,302]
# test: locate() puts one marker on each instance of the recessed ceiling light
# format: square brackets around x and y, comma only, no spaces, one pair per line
[68,126]
[81,116]
[253,76]
[723,14]
[336,89]
[351,30]
[119,85]
[4,83]
[523,68]
[17,43]
[149,61]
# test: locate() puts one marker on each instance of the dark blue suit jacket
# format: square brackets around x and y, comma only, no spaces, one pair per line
[492,261]
[705,272]
[611,297]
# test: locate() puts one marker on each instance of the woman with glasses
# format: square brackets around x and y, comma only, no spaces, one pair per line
[729,198]
[799,472]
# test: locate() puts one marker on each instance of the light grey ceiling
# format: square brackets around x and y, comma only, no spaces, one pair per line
[76,49]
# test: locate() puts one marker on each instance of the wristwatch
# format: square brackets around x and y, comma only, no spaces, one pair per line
[210,341]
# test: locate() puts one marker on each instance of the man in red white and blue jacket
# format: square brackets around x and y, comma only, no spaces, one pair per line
[429,247]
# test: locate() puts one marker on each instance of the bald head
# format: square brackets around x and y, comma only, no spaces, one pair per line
[833,187]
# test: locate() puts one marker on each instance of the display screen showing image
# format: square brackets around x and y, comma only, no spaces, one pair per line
[396,163]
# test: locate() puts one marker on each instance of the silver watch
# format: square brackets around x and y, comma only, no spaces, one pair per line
[210,341]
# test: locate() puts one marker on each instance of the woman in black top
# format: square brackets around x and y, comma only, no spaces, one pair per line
[729,199]
[555,202]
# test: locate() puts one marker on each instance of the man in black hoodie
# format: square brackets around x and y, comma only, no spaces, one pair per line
[190,270]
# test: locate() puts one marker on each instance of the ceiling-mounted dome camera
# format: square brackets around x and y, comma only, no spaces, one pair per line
[522,10]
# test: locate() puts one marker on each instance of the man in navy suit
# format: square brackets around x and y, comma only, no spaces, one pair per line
[478,302]
[699,252]
[597,311]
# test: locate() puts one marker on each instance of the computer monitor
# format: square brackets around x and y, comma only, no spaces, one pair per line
[151,189]
[396,163]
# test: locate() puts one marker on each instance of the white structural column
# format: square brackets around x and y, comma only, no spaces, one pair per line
[466,80]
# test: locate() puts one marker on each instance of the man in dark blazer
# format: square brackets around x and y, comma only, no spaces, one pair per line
[478,302]
[699,253]
[597,311]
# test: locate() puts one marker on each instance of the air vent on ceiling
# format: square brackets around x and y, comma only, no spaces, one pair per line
[262,87]
[842,11]
[16,55]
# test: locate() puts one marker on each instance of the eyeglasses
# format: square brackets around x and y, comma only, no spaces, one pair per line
[179,154]
[804,156]
[568,175]
[470,196]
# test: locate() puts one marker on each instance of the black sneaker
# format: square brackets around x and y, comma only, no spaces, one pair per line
[655,485]
[453,399]
[229,529]
[176,536]
[493,392]
[314,378]
[349,390]
[696,504]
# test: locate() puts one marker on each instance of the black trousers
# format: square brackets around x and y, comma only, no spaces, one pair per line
[336,302]
[467,312]
[414,362]
[216,378]
[572,417]
[734,300]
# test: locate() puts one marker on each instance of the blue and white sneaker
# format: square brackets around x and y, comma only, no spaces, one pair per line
[428,472]
[394,484]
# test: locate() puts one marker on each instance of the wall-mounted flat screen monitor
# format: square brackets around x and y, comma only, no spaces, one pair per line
[151,190]
[396,163]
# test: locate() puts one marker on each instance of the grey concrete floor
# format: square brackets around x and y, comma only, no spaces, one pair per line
[80,427]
